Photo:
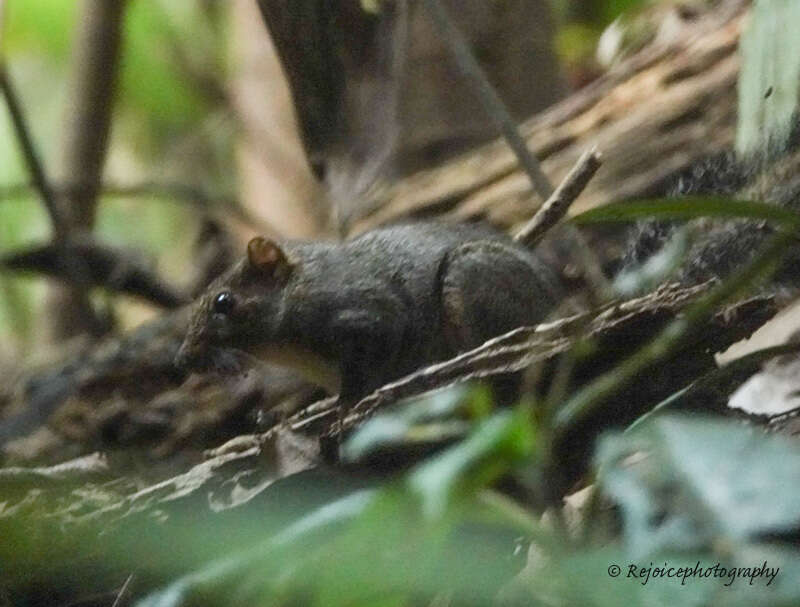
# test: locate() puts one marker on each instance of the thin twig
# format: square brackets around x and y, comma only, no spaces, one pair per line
[559,202]
[74,266]
[494,106]
[115,268]
[122,591]
[30,155]
[498,112]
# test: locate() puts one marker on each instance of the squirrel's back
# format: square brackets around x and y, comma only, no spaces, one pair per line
[403,296]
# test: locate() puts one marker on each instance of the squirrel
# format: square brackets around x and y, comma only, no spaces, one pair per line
[462,271]
[355,315]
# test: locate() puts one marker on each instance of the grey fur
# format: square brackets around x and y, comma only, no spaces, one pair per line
[721,247]
[381,305]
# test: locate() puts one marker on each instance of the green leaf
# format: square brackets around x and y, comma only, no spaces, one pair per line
[687,207]
[387,546]
[386,552]
[393,551]
[217,577]
[499,443]
[687,484]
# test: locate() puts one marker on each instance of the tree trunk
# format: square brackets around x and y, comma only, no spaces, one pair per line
[276,182]
[377,94]
[87,126]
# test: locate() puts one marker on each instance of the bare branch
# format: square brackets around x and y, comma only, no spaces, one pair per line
[30,155]
[554,209]
[491,101]
[114,268]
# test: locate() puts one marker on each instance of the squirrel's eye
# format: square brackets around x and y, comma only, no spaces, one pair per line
[223,303]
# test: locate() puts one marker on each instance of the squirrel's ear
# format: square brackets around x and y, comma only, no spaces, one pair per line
[266,256]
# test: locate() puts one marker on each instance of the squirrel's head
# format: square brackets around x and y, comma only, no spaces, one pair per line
[238,311]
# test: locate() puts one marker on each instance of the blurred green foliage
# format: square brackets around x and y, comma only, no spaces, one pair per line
[597,12]
[166,128]
[41,27]
[698,491]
